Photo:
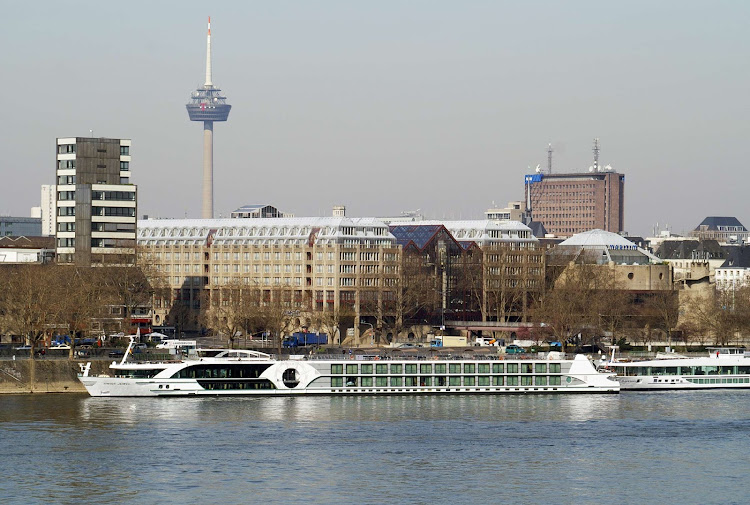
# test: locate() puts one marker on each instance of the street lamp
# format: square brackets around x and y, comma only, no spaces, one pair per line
[372,334]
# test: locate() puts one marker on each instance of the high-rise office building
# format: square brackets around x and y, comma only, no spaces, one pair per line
[571,203]
[96,203]
[568,204]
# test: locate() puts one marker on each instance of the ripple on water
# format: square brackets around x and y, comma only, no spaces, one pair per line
[686,447]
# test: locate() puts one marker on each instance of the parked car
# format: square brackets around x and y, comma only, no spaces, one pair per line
[116,353]
[514,349]
[83,353]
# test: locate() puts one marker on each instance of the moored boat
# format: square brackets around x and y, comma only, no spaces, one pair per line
[245,372]
[722,368]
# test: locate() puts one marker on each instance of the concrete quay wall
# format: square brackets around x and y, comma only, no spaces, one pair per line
[45,375]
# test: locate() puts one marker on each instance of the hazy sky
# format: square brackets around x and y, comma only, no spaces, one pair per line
[386,106]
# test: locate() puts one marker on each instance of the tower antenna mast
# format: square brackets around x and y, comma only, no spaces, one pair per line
[207,104]
[596,155]
[549,158]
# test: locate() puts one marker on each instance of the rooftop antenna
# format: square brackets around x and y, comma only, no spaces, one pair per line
[549,158]
[596,155]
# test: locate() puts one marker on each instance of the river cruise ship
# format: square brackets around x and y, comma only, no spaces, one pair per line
[244,372]
[723,367]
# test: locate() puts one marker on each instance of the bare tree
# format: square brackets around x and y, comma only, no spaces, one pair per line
[86,298]
[128,288]
[232,310]
[330,320]
[28,302]
[279,309]
[661,309]
[576,300]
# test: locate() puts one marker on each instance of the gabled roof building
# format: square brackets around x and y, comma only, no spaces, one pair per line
[725,229]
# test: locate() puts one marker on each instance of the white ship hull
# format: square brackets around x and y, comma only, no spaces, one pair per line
[723,368]
[684,382]
[243,376]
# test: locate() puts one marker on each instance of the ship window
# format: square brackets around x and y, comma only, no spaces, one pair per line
[540,368]
[366,382]
[526,367]
[290,377]
[554,368]
[454,381]
[410,368]
[526,380]
[497,368]
[483,368]
[469,381]
[381,369]
[440,381]
[425,381]
[425,368]
[351,381]
[512,368]
[381,382]
[396,369]
[498,381]
[540,380]
[351,369]
[454,368]
[337,382]
[396,381]
[366,369]
[337,369]
[513,381]
[554,380]
[483,381]
[410,381]
[440,368]
[469,368]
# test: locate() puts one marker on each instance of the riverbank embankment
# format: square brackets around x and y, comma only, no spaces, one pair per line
[45,375]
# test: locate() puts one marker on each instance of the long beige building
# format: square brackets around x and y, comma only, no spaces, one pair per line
[335,264]
[329,262]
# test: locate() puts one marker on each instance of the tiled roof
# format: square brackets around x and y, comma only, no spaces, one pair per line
[737,257]
[713,222]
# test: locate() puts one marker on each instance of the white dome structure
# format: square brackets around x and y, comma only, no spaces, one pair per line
[603,247]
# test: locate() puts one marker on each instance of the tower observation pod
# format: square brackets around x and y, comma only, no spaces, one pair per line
[207,104]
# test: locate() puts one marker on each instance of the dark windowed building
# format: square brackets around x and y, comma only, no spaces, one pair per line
[95,202]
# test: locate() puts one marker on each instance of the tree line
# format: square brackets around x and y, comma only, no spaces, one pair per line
[38,301]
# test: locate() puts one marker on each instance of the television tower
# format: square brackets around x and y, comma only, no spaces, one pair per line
[208,105]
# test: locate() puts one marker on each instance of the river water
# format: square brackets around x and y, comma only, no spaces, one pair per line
[662,447]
